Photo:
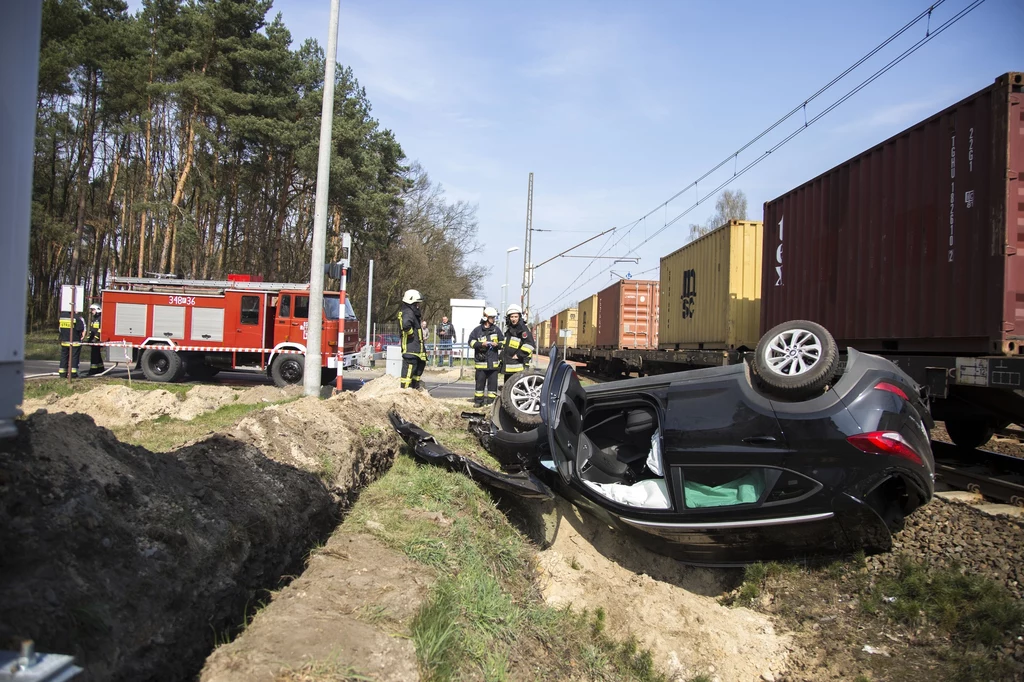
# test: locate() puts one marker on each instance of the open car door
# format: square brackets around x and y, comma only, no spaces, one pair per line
[562,405]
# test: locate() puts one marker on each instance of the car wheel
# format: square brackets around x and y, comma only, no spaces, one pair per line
[160,364]
[969,433]
[796,360]
[520,398]
[287,370]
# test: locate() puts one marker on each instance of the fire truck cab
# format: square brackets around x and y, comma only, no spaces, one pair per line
[172,327]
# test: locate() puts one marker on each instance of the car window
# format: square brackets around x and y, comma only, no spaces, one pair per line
[722,486]
[301,307]
[250,310]
[284,309]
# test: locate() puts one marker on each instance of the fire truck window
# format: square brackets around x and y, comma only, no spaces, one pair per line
[285,307]
[301,307]
[250,310]
[332,309]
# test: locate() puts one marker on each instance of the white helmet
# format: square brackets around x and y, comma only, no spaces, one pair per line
[490,312]
[95,308]
[514,309]
[411,296]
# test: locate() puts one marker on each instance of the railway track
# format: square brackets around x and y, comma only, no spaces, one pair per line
[994,475]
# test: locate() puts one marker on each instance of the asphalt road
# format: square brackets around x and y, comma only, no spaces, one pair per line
[353,378]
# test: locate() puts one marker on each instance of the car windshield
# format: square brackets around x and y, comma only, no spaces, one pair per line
[331,308]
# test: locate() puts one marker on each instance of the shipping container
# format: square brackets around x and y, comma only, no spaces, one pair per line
[587,323]
[711,290]
[553,329]
[627,315]
[567,319]
[540,334]
[917,244]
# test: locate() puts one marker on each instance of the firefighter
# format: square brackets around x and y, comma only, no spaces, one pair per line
[414,348]
[486,342]
[71,332]
[96,355]
[518,346]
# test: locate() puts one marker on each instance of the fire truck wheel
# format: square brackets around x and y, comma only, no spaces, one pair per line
[287,370]
[159,364]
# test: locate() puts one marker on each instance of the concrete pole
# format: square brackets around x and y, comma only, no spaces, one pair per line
[369,303]
[314,354]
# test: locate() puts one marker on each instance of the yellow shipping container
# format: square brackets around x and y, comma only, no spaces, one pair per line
[540,334]
[567,319]
[587,323]
[711,290]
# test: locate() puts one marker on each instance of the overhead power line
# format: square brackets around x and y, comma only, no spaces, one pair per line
[929,36]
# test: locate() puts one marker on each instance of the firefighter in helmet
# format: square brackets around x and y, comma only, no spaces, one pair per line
[72,329]
[486,342]
[414,349]
[96,355]
[518,346]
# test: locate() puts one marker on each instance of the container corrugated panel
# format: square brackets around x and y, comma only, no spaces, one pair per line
[568,319]
[627,315]
[916,244]
[540,334]
[553,329]
[711,290]
[587,323]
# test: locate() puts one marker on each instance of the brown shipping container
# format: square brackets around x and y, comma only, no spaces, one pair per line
[915,245]
[627,315]
[587,325]
[553,329]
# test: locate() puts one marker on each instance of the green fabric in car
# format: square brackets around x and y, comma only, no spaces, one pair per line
[746,489]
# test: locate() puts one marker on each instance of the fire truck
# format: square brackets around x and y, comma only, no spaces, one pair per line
[171,328]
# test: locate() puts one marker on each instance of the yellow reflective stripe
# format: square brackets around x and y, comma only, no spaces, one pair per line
[527,347]
[513,342]
[481,365]
[512,369]
[65,324]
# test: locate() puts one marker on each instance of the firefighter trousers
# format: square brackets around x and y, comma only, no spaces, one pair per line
[69,350]
[95,360]
[412,370]
[486,379]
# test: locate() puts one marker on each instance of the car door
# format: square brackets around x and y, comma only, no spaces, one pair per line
[563,403]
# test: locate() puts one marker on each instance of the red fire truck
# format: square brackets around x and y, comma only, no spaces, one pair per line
[174,327]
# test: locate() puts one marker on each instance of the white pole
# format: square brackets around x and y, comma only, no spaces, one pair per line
[341,329]
[314,354]
[369,301]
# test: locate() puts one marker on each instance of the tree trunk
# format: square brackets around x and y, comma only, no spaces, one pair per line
[179,189]
[88,148]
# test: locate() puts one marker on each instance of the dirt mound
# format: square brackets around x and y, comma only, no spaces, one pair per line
[133,561]
[669,607]
[115,405]
[339,617]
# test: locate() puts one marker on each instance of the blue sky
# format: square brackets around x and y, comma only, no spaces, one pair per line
[617,106]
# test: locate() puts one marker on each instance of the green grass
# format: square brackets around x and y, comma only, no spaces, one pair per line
[164,433]
[483,618]
[45,346]
[40,388]
[756,576]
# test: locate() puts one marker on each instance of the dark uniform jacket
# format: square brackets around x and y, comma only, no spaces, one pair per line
[518,347]
[71,330]
[486,357]
[94,330]
[412,331]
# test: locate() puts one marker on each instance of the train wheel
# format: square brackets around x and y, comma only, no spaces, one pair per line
[969,433]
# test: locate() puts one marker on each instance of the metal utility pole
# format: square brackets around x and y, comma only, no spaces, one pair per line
[369,304]
[314,359]
[524,298]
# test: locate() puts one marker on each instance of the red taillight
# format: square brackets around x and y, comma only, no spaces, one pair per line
[891,388]
[885,443]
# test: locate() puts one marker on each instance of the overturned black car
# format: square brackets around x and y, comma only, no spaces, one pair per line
[781,456]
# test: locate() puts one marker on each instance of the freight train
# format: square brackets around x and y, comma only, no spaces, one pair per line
[912,250]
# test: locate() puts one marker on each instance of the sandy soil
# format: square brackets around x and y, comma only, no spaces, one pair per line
[669,607]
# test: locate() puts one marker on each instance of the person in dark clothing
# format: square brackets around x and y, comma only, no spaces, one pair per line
[445,335]
[71,332]
[485,340]
[414,349]
[518,346]
[96,352]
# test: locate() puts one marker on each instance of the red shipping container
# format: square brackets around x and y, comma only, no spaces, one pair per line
[627,315]
[553,330]
[916,244]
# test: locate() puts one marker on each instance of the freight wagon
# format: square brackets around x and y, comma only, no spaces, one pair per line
[171,328]
[910,250]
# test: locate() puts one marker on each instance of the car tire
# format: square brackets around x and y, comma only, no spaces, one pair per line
[162,364]
[520,398]
[969,433]
[796,360]
[287,370]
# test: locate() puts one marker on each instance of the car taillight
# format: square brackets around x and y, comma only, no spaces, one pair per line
[885,443]
[891,388]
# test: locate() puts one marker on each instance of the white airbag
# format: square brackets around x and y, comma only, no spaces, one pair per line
[651,493]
